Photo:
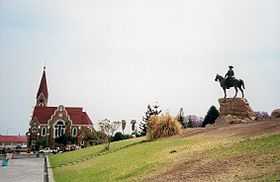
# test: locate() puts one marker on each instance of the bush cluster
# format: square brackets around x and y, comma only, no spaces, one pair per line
[119,136]
[163,126]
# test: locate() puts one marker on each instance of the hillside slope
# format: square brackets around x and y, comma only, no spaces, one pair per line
[245,152]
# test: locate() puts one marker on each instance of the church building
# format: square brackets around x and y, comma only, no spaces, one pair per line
[50,124]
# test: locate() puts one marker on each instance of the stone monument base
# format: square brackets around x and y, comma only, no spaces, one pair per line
[235,111]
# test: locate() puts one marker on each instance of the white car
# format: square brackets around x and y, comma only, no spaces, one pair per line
[46,150]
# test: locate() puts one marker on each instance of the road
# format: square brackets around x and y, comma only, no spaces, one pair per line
[23,170]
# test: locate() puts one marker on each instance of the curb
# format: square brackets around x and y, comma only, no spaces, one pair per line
[49,171]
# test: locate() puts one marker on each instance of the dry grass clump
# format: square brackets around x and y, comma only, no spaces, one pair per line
[163,126]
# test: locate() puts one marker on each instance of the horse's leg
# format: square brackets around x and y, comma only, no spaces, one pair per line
[241,92]
[236,91]
[225,92]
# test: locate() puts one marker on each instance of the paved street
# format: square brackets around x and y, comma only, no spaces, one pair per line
[23,170]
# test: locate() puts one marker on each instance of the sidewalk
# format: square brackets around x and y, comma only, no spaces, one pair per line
[23,170]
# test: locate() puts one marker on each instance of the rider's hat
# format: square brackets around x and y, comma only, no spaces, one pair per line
[230,67]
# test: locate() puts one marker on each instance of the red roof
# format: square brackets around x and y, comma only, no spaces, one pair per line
[43,86]
[43,114]
[12,139]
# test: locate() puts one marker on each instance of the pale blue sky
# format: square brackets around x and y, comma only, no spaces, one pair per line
[115,57]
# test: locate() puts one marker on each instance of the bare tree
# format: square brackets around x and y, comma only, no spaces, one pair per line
[109,128]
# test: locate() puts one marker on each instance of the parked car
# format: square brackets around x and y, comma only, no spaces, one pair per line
[46,150]
[71,148]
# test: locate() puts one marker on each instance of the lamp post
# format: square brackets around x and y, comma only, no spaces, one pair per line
[28,139]
[47,140]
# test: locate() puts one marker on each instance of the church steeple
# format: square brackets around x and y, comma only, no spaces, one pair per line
[42,94]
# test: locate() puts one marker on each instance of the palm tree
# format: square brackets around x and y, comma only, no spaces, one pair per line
[133,122]
[123,125]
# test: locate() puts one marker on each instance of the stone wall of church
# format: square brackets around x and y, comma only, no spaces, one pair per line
[47,137]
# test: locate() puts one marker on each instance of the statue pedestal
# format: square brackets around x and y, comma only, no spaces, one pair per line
[235,111]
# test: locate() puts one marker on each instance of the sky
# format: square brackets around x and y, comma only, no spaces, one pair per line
[114,57]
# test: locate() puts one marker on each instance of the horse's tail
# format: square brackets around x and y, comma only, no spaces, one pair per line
[242,84]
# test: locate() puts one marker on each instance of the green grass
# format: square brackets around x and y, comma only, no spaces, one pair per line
[126,160]
[133,159]
[90,152]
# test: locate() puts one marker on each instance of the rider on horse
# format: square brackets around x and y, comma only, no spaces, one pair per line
[230,81]
[229,77]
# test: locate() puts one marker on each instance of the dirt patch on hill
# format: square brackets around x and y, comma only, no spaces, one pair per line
[247,130]
[237,168]
[232,168]
[198,170]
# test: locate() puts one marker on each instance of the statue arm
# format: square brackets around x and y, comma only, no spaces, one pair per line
[226,75]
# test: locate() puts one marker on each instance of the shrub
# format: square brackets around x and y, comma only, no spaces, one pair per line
[119,136]
[163,126]
[193,121]
[41,143]
[262,115]
[95,138]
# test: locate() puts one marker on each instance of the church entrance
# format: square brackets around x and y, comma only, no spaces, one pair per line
[59,129]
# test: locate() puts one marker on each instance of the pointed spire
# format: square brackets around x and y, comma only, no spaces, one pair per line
[42,94]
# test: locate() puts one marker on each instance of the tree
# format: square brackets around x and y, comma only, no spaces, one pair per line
[41,143]
[109,128]
[151,111]
[262,115]
[133,122]
[211,116]
[98,137]
[123,125]
[89,136]
[190,122]
[180,116]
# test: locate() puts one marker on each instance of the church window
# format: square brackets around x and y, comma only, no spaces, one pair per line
[74,132]
[59,129]
[43,131]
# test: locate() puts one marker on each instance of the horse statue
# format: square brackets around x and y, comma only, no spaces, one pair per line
[237,84]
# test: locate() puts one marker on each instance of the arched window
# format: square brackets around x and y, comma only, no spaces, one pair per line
[59,129]
[74,132]
[43,131]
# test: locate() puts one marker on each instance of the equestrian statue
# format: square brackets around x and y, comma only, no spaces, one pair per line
[230,81]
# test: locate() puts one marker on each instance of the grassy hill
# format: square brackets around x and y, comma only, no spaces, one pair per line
[248,152]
